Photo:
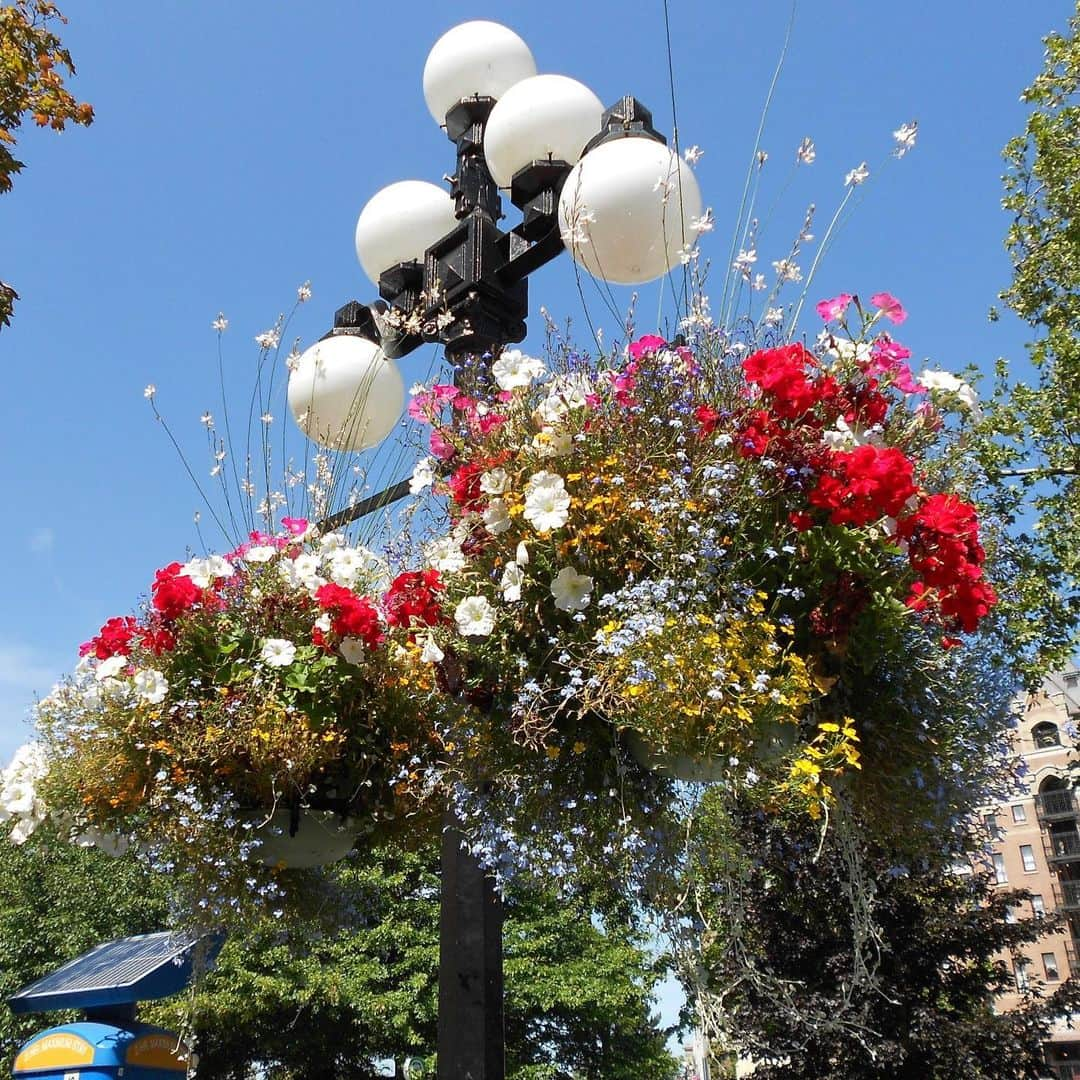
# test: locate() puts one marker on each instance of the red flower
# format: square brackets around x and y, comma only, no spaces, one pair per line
[113,639]
[707,418]
[862,485]
[412,599]
[158,640]
[464,484]
[782,375]
[173,592]
[351,615]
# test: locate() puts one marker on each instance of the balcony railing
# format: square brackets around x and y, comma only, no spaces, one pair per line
[1054,805]
[1068,895]
[1065,1070]
[1063,847]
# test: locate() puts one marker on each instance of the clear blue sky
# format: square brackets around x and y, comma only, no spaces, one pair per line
[236,142]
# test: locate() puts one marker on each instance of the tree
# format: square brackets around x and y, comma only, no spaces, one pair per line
[318,1003]
[850,966]
[1032,429]
[33,65]
[56,902]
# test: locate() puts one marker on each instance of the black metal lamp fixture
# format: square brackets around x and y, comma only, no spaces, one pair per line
[602,184]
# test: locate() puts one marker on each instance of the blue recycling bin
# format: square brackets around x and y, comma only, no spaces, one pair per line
[100,1051]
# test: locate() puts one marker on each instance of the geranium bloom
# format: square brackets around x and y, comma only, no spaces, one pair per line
[413,599]
[571,590]
[863,485]
[475,617]
[113,639]
[277,652]
[351,615]
[547,502]
[173,592]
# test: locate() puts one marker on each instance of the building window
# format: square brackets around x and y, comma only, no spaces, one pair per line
[995,831]
[1045,735]
[1050,967]
[1028,857]
[1010,914]
[999,868]
[1038,907]
[1020,972]
[1019,813]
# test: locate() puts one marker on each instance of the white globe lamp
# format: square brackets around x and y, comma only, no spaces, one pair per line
[546,117]
[400,222]
[475,58]
[345,394]
[627,208]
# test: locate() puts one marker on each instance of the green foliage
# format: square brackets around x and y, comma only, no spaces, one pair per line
[848,964]
[1032,429]
[57,901]
[354,980]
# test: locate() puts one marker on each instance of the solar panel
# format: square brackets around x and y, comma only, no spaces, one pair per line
[117,973]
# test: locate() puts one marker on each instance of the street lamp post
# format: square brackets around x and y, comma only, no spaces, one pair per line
[601,183]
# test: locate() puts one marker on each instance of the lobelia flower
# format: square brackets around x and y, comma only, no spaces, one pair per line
[150,685]
[547,502]
[514,370]
[277,652]
[571,590]
[475,617]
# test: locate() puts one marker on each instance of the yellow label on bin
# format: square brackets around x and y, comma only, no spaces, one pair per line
[58,1051]
[157,1052]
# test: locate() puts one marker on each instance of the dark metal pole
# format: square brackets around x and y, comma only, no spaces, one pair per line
[471,1037]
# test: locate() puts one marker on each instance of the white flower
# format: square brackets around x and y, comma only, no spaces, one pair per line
[844,435]
[151,685]
[445,555]
[149,391]
[951,384]
[759,283]
[846,350]
[905,137]
[19,799]
[693,154]
[475,617]
[513,577]
[521,555]
[548,443]
[857,175]
[806,153]
[547,502]
[571,589]
[705,223]
[495,482]
[112,844]
[207,419]
[331,542]
[514,370]
[347,565]
[744,261]
[110,668]
[303,293]
[268,339]
[277,652]
[431,653]
[496,518]
[423,475]
[353,650]
[786,270]
[774,316]
[23,829]
[324,623]
[203,572]
[260,553]
[220,324]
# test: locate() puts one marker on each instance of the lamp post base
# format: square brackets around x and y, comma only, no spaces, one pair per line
[470,1039]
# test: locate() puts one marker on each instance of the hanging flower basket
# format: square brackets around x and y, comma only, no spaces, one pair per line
[302,840]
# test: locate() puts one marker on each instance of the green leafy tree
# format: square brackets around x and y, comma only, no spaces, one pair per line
[33,65]
[1032,426]
[57,901]
[319,1003]
[848,966]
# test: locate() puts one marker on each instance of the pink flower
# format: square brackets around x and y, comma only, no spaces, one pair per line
[440,446]
[888,358]
[646,345]
[890,307]
[296,526]
[831,310]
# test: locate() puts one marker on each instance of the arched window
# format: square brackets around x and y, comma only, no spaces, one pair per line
[1045,735]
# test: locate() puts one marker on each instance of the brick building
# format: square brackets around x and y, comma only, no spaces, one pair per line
[1036,846]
